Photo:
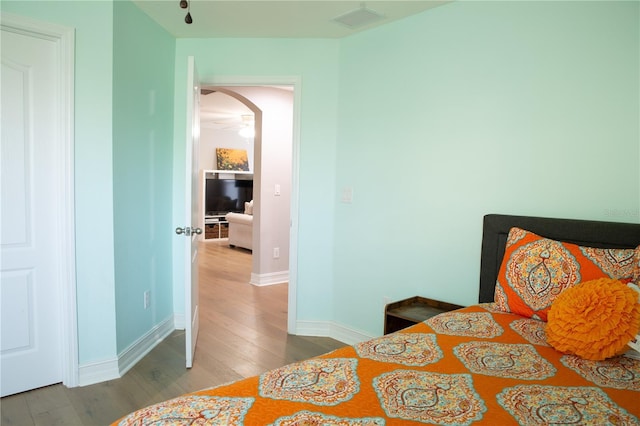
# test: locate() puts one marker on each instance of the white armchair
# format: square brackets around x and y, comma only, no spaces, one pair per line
[240,230]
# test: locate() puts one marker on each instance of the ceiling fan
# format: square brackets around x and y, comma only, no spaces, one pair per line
[244,124]
[226,121]
[221,115]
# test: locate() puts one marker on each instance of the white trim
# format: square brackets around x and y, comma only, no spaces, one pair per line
[141,347]
[178,321]
[292,313]
[65,39]
[101,371]
[334,330]
[97,372]
[313,328]
[270,278]
[296,82]
[348,335]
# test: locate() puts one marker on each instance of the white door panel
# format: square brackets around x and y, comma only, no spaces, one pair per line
[31,351]
[191,203]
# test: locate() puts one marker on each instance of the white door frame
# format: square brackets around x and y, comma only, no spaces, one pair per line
[296,82]
[64,37]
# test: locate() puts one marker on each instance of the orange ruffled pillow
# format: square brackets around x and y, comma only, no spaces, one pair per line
[594,319]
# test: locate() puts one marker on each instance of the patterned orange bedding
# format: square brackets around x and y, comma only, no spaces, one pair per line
[476,365]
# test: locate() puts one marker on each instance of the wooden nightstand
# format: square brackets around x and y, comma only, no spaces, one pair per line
[404,313]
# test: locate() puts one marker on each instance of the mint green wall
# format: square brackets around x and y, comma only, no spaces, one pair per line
[123,169]
[142,171]
[472,108]
[315,62]
[93,22]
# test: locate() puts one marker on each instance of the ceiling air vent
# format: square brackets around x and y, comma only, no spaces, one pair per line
[358,18]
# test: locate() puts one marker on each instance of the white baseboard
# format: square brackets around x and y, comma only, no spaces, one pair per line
[331,329]
[348,335]
[313,328]
[138,349]
[269,278]
[178,322]
[115,368]
[96,372]
[101,371]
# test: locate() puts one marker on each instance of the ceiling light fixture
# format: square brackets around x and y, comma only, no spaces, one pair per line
[247,132]
[248,129]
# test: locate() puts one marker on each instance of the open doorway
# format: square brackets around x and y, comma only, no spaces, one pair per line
[225,111]
[226,158]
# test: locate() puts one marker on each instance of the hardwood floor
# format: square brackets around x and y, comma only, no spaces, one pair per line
[242,333]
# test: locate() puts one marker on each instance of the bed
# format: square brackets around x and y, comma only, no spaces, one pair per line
[476,365]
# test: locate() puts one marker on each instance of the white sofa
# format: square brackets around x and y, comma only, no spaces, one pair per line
[240,230]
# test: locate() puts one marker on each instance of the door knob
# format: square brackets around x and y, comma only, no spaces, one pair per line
[186,231]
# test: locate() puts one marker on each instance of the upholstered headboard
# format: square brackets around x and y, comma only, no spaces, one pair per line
[583,232]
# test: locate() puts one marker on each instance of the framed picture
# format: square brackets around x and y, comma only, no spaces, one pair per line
[232,159]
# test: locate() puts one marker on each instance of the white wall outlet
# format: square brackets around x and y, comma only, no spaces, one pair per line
[276,252]
[147,299]
[347,194]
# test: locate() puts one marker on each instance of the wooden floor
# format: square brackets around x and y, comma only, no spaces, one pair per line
[242,333]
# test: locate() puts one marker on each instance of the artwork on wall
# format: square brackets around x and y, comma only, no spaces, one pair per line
[232,159]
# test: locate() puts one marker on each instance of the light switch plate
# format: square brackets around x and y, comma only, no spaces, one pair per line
[347,194]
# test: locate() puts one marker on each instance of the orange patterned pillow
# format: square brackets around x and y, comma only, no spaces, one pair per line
[535,270]
[636,273]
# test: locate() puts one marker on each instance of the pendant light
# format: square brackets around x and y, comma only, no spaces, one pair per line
[184,4]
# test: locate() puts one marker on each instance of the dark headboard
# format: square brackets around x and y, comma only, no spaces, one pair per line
[583,232]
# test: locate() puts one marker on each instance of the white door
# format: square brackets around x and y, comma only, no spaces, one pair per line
[30,256]
[191,202]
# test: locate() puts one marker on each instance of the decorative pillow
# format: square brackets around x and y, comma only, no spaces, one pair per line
[636,272]
[248,207]
[594,320]
[535,270]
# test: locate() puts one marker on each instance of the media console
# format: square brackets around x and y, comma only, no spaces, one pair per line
[214,224]
[215,227]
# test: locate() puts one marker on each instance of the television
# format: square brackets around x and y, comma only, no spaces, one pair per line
[227,195]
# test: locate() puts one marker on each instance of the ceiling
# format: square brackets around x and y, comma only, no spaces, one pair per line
[285,18]
[221,111]
[266,18]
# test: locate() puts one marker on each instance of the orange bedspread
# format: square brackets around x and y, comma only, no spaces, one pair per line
[474,365]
